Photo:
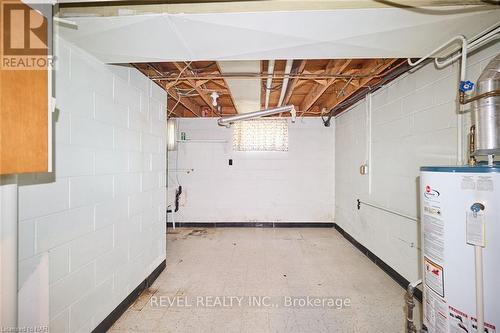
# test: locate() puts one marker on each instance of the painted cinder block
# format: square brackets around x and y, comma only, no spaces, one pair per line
[40,199]
[108,162]
[57,229]
[85,249]
[79,214]
[126,94]
[425,134]
[73,161]
[59,265]
[94,302]
[91,133]
[111,211]
[128,140]
[71,288]
[88,190]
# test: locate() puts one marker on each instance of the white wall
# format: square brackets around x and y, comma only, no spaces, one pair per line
[413,123]
[293,186]
[100,216]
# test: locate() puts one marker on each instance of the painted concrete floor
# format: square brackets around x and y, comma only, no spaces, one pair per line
[210,271]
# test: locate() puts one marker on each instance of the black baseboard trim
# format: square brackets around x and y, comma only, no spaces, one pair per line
[379,262]
[251,224]
[106,324]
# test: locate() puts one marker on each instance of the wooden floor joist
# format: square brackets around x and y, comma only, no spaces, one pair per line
[315,85]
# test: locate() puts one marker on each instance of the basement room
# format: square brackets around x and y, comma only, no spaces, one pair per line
[250,166]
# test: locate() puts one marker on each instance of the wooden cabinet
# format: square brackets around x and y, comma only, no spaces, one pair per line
[24,112]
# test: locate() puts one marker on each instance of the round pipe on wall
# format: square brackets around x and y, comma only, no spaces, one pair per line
[227,121]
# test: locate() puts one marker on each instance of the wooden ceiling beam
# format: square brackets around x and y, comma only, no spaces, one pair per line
[196,87]
[293,83]
[372,67]
[333,66]
[227,87]
[173,108]
[186,102]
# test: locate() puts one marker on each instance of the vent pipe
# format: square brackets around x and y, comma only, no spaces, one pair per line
[486,110]
[227,121]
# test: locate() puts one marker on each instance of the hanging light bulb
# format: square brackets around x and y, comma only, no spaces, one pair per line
[214,96]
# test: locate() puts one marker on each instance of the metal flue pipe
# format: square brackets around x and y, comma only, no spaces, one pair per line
[227,121]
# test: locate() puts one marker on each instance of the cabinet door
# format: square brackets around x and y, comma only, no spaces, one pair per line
[24,90]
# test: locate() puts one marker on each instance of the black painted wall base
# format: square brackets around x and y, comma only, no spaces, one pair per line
[380,263]
[252,224]
[106,324]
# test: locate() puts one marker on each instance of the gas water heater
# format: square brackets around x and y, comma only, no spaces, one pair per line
[460,220]
[460,214]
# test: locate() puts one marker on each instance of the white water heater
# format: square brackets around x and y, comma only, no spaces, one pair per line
[460,215]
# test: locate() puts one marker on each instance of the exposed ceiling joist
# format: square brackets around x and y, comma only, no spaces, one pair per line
[186,102]
[195,86]
[293,83]
[227,87]
[332,82]
[374,66]
[333,66]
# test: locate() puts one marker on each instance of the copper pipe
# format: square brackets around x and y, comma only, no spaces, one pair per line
[475,98]
[472,145]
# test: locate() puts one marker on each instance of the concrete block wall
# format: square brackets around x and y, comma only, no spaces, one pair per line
[292,186]
[413,123]
[100,215]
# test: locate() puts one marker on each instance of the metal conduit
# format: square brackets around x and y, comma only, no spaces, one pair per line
[387,210]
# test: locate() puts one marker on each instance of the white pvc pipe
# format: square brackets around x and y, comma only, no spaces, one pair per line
[288,69]
[270,71]
[494,34]
[478,258]
[369,140]
[439,48]
[8,252]
[463,68]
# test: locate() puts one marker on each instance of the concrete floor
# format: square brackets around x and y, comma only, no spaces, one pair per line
[209,265]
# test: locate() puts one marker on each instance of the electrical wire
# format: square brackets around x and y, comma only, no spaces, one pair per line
[276,87]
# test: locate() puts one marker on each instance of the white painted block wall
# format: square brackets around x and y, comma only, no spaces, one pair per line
[293,186]
[101,215]
[413,124]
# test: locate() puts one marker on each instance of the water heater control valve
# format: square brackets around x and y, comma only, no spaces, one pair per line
[466,86]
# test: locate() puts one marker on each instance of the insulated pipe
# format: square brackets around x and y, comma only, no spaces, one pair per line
[270,71]
[227,121]
[288,69]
